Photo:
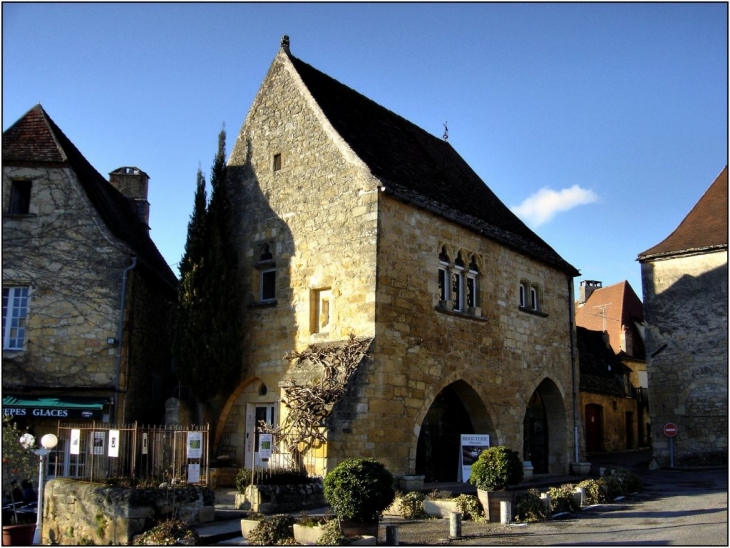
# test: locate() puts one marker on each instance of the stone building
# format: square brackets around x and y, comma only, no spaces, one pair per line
[616,312]
[87,296]
[352,220]
[684,279]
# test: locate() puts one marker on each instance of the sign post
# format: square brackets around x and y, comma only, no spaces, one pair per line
[670,430]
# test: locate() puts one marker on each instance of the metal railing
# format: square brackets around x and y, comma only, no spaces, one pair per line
[100,452]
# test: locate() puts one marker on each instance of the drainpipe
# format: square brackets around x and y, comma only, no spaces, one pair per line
[120,333]
[572,368]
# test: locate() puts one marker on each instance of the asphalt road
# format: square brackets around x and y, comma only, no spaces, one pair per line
[674,508]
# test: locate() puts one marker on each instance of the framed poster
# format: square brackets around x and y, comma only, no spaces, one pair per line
[195,445]
[265,445]
[193,473]
[113,450]
[144,443]
[75,441]
[471,447]
[97,443]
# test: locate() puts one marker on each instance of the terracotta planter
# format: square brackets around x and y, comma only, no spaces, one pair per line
[18,535]
[306,534]
[491,501]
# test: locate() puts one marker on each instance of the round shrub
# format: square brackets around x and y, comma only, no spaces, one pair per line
[243,479]
[333,535]
[529,507]
[496,468]
[411,505]
[630,482]
[277,529]
[470,507]
[562,499]
[595,491]
[359,489]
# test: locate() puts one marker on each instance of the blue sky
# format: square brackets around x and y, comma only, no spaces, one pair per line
[601,125]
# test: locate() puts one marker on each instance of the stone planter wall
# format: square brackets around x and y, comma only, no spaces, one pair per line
[77,512]
[269,499]
[442,508]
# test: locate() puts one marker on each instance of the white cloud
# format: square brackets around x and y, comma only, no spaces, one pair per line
[542,206]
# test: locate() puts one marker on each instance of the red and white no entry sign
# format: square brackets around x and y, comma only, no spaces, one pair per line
[670,430]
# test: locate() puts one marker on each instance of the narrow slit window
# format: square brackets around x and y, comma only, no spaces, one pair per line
[268,285]
[277,162]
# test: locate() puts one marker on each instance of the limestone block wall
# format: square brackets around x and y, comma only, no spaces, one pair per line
[74,268]
[316,214]
[76,513]
[501,352]
[685,310]
[614,420]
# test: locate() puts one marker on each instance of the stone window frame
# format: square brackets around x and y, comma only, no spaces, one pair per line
[20,196]
[458,281]
[266,269]
[531,298]
[321,306]
[11,303]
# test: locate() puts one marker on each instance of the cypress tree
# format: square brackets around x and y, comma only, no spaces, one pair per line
[207,341]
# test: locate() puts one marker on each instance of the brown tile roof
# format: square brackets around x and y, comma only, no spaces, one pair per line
[417,167]
[35,140]
[703,229]
[611,308]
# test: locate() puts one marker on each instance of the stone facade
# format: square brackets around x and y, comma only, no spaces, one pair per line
[350,257]
[686,310]
[80,249]
[685,280]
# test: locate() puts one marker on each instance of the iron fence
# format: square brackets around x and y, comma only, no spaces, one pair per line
[100,452]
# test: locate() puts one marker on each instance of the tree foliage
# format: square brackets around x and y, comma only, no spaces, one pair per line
[207,339]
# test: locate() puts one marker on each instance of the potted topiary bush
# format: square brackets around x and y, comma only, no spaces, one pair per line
[358,490]
[495,469]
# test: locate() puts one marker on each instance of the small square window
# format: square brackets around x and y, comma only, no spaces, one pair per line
[277,162]
[19,198]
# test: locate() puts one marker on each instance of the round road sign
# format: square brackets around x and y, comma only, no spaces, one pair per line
[670,430]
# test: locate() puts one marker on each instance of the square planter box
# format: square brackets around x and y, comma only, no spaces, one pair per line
[304,534]
[248,525]
[441,508]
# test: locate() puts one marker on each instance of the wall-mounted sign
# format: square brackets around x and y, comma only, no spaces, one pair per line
[113,450]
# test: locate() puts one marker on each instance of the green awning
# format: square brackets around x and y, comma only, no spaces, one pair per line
[54,406]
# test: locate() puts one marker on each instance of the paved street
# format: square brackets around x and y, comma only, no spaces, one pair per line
[676,507]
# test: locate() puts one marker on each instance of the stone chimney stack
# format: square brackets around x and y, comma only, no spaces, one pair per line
[132,182]
[586,288]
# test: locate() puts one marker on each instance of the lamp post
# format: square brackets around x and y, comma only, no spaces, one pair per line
[48,442]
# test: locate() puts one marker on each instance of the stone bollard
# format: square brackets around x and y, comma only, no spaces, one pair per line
[505,512]
[391,535]
[580,496]
[455,525]
[545,497]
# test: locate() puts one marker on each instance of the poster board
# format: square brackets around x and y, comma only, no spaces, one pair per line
[265,441]
[469,449]
[113,449]
[195,445]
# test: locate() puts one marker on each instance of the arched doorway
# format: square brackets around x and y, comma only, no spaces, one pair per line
[456,410]
[545,430]
[535,445]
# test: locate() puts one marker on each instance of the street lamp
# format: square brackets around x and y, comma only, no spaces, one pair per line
[48,442]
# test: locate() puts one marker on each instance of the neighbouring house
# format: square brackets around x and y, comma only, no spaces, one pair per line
[351,220]
[684,279]
[617,312]
[87,297]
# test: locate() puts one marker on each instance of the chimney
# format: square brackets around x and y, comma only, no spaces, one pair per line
[132,183]
[586,288]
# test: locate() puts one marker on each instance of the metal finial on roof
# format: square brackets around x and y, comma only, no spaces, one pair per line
[446,131]
[285,42]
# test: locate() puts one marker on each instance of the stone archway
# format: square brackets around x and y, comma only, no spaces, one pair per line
[457,409]
[545,430]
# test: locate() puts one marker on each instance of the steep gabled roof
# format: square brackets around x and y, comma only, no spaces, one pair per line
[417,167]
[600,368]
[611,308]
[35,140]
[703,229]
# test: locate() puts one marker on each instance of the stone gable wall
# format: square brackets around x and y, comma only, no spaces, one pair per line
[329,226]
[685,310]
[74,267]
